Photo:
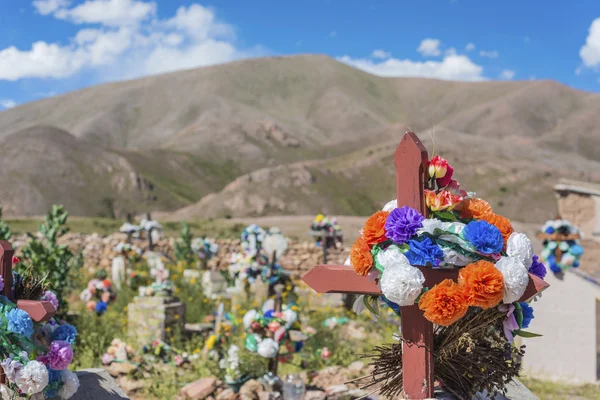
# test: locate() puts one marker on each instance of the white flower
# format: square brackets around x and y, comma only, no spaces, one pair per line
[390,205]
[290,317]
[249,317]
[452,257]
[86,295]
[520,246]
[32,378]
[567,259]
[516,278]
[70,384]
[400,282]
[11,367]
[564,246]
[268,348]
[359,306]
[6,393]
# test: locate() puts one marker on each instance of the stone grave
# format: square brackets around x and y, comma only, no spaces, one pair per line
[153,317]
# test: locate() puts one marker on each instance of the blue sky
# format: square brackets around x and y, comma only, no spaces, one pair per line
[48,47]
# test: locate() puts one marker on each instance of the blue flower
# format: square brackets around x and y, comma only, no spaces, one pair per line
[576,250]
[101,307]
[486,238]
[298,346]
[66,333]
[549,230]
[54,381]
[395,307]
[424,252]
[527,314]
[19,322]
[552,263]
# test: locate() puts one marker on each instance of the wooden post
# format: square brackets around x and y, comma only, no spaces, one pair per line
[150,243]
[130,221]
[274,362]
[417,352]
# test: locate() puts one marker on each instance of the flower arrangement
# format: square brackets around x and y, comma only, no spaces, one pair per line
[462,232]
[329,226]
[562,250]
[252,238]
[98,294]
[36,356]
[132,252]
[273,334]
[205,248]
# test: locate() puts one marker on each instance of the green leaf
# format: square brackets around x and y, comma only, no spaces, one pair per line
[445,215]
[518,313]
[525,334]
[370,299]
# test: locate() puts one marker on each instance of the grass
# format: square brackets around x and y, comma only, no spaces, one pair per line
[547,390]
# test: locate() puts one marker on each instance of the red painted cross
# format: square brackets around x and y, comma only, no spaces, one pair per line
[411,161]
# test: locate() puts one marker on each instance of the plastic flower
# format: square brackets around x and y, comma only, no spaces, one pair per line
[19,322]
[11,367]
[32,378]
[101,307]
[424,252]
[360,257]
[520,246]
[268,348]
[51,297]
[475,208]
[537,268]
[54,382]
[107,358]
[249,317]
[91,305]
[400,282]
[59,355]
[454,188]
[445,303]
[325,353]
[70,384]
[441,201]
[440,170]
[374,229]
[403,223]
[516,278]
[486,238]
[483,282]
[502,223]
[390,205]
[1,283]
[65,332]
[527,314]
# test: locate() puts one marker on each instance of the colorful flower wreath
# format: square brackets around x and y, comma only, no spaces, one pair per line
[273,334]
[36,356]
[205,248]
[562,250]
[98,294]
[328,225]
[252,238]
[462,232]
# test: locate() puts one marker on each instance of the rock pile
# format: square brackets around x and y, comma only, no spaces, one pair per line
[98,251]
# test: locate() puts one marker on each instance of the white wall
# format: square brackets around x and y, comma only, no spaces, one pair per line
[567,317]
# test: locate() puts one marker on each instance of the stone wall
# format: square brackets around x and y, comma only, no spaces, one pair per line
[98,251]
[580,210]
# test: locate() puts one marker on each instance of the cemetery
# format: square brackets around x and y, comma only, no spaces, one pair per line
[437,296]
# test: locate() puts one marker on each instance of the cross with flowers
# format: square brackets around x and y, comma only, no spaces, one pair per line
[411,160]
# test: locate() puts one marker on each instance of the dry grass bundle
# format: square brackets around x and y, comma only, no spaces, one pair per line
[470,356]
[28,286]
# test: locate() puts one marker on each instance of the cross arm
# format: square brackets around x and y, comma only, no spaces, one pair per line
[343,279]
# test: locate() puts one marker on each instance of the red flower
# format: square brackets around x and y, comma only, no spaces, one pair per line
[15,260]
[440,170]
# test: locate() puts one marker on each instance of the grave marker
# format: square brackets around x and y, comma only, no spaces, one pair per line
[411,160]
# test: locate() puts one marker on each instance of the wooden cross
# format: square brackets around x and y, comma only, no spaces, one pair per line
[411,162]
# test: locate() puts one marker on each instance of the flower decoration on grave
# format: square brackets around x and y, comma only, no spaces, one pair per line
[35,355]
[98,294]
[562,250]
[252,238]
[161,286]
[273,334]
[130,251]
[205,248]
[326,231]
[459,231]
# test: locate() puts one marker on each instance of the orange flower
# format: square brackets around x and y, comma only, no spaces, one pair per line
[483,284]
[445,303]
[441,201]
[475,208]
[500,222]
[360,257]
[374,229]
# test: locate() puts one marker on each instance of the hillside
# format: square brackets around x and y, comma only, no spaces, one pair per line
[291,135]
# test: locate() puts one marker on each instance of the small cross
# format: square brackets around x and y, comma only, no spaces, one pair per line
[411,161]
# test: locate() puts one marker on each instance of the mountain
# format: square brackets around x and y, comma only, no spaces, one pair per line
[289,135]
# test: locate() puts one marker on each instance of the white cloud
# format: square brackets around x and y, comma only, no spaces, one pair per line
[124,39]
[507,74]
[108,12]
[489,54]
[7,103]
[470,47]
[450,52]
[45,7]
[430,47]
[452,67]
[381,54]
[590,52]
